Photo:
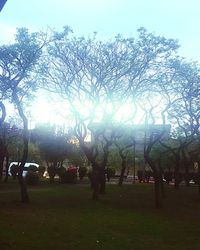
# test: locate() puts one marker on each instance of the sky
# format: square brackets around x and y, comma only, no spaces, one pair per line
[178,19]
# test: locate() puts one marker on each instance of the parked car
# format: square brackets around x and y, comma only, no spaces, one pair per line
[28,165]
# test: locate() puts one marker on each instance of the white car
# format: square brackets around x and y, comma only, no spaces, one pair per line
[26,167]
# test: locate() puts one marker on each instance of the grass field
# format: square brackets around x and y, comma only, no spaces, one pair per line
[64,217]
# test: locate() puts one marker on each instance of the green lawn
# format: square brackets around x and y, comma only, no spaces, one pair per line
[64,217]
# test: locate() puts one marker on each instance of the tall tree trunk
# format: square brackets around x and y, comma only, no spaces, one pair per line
[157,183]
[7,167]
[3,139]
[121,178]
[187,179]
[95,184]
[22,184]
[198,177]
[102,189]
[162,187]
[1,166]
[3,115]
[177,172]
[186,166]
[23,189]
[161,179]
[157,186]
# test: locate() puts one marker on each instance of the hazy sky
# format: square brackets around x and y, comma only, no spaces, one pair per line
[179,19]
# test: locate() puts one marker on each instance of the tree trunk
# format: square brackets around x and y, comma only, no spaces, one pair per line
[7,166]
[157,185]
[2,140]
[186,166]
[102,189]
[1,166]
[121,178]
[160,169]
[176,172]
[198,177]
[22,184]
[95,185]
[23,188]
[187,180]
[162,187]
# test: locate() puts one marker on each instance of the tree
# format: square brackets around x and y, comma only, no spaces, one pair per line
[54,147]
[3,148]
[153,133]
[18,70]
[86,74]
[96,78]
[77,156]
[124,140]
[10,139]
[184,113]
[97,152]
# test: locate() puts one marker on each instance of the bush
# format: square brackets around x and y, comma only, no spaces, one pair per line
[110,172]
[68,176]
[82,171]
[32,178]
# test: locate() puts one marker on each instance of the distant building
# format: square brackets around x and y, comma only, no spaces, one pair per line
[137,133]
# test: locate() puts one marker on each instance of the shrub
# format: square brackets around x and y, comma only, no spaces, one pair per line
[82,171]
[110,172]
[32,178]
[68,176]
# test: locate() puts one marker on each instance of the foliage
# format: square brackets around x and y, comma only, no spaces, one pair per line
[34,154]
[18,71]
[54,148]
[77,156]
[110,172]
[68,175]
[98,80]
